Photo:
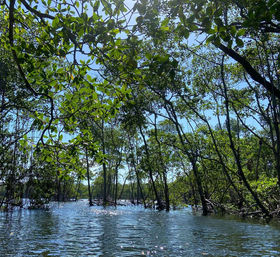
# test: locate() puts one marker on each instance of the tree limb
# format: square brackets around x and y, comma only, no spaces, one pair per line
[37,13]
[250,70]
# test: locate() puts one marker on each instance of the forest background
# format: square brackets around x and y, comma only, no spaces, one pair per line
[174,102]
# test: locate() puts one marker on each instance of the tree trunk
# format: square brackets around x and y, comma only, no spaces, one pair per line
[191,155]
[166,189]
[120,196]
[88,180]
[200,189]
[160,205]
[139,187]
[116,185]
[236,155]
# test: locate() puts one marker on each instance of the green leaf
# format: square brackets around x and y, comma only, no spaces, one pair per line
[55,21]
[239,42]
[233,30]
[210,38]
[165,22]
[241,32]
[165,28]
[219,22]
[49,158]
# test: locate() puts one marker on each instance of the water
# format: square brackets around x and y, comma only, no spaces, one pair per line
[74,229]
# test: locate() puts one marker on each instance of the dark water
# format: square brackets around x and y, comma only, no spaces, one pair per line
[74,229]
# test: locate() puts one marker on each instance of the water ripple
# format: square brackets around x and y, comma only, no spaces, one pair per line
[74,229]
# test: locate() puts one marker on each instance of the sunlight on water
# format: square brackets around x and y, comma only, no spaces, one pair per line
[107,212]
[74,229]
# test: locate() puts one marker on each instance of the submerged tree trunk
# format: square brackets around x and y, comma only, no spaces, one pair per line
[139,187]
[200,189]
[104,165]
[104,183]
[77,189]
[160,205]
[58,187]
[120,196]
[224,168]
[190,152]
[116,181]
[88,180]
[166,189]
[132,193]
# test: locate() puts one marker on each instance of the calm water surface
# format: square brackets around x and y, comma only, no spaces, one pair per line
[74,229]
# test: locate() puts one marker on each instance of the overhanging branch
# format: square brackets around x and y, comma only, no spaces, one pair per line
[255,75]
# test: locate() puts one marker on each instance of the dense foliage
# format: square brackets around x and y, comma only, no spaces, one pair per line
[161,102]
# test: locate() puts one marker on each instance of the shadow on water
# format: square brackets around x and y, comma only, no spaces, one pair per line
[74,229]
